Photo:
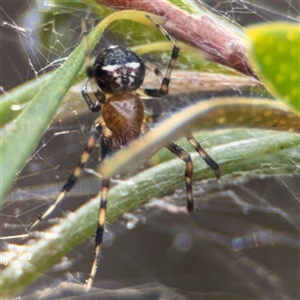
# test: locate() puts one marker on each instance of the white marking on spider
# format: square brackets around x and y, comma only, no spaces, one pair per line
[133,65]
[111,68]
[119,81]
[115,74]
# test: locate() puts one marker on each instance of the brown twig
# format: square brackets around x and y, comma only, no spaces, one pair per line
[203,32]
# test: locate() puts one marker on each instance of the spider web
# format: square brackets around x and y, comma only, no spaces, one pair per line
[167,253]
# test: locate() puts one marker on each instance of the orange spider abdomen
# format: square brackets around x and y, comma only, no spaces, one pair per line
[123,114]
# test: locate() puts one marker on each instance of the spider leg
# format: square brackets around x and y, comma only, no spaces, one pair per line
[203,154]
[164,87]
[184,156]
[96,131]
[94,107]
[105,151]
[99,233]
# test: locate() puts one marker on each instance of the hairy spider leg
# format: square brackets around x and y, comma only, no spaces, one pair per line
[185,157]
[164,87]
[203,154]
[96,132]
[99,233]
[94,107]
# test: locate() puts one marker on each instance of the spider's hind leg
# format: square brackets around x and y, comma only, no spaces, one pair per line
[99,233]
[105,151]
[185,156]
[96,131]
[203,154]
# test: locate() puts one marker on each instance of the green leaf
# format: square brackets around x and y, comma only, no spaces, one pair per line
[241,153]
[33,121]
[275,52]
[15,100]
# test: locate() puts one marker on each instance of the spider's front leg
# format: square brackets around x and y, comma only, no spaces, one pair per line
[164,87]
[94,107]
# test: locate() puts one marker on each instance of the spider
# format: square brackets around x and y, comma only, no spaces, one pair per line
[116,75]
